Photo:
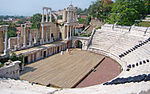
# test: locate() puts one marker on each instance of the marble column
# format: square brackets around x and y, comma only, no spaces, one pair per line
[47,15]
[30,38]
[43,16]
[42,34]
[68,16]
[5,47]
[67,32]
[24,37]
[18,40]
[46,34]
[50,40]
[70,32]
[50,15]
[35,38]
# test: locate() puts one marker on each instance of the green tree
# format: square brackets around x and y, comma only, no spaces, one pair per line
[80,11]
[82,21]
[127,11]
[20,22]
[36,20]
[13,57]
[11,30]
[100,10]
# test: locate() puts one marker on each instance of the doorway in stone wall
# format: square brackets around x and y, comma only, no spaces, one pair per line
[26,60]
[44,54]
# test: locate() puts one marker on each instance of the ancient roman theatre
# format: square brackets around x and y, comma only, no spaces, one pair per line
[113,60]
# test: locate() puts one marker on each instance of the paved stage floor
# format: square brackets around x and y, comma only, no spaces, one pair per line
[62,70]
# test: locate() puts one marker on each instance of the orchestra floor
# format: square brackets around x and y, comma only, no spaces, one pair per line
[62,70]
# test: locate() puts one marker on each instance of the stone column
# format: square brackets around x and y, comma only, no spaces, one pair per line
[47,15]
[33,57]
[43,16]
[50,40]
[71,16]
[50,15]
[24,37]
[5,47]
[30,39]
[42,34]
[46,34]
[18,40]
[68,17]
[70,32]
[35,38]
[67,32]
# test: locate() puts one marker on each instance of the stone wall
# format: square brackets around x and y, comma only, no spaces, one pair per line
[11,70]
[148,31]
[35,33]
[120,28]
[107,27]
[55,31]
[134,30]
[12,42]
[137,30]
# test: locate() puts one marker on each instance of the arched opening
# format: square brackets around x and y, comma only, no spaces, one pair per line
[78,44]
[52,36]
[60,35]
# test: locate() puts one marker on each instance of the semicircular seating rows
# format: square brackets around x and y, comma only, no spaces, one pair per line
[132,52]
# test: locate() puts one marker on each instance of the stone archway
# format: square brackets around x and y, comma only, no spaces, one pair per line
[78,44]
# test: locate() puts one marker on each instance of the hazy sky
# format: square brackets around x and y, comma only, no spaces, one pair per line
[30,7]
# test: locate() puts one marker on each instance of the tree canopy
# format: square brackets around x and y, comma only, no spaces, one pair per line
[125,12]
[35,20]
[100,9]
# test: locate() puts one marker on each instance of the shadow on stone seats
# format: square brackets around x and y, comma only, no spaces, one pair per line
[147,78]
[144,61]
[27,69]
[137,64]
[140,62]
[133,65]
[147,60]
[129,79]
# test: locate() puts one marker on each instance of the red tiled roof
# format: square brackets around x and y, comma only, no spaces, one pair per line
[83,16]
[18,28]
[80,26]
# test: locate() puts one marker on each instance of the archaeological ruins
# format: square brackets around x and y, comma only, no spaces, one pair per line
[113,60]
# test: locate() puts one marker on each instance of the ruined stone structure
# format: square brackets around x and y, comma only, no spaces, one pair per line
[50,38]
[46,27]
[3,40]
[26,34]
[11,70]
[48,32]
[69,20]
